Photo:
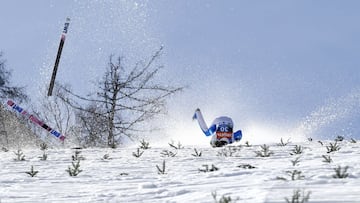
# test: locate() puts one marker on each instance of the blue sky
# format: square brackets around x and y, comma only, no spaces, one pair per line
[267,64]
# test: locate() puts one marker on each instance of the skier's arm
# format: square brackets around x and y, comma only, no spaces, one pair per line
[199,117]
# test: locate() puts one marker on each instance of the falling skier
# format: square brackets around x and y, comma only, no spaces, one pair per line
[221,130]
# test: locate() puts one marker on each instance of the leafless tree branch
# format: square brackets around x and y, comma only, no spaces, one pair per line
[124,98]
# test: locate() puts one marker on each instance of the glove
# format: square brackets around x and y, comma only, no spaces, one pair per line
[238,135]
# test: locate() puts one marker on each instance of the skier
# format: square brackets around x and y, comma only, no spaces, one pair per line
[221,130]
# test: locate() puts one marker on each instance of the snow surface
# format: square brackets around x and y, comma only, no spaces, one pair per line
[125,178]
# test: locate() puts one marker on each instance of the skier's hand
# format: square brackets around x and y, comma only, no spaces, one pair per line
[194,116]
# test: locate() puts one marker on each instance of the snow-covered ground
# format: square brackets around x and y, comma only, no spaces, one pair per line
[122,177]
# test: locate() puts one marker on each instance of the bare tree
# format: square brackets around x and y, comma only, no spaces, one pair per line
[124,98]
[57,113]
[6,90]
[93,126]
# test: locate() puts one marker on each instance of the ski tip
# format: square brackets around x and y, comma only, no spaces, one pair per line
[62,138]
[10,102]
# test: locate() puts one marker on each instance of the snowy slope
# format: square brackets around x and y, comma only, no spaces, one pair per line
[125,178]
